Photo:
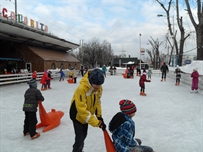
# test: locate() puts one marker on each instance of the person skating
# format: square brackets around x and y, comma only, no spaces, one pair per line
[74,75]
[164,70]
[31,98]
[178,75]
[62,75]
[85,108]
[142,81]
[104,70]
[195,81]
[48,81]
[43,81]
[149,74]
[34,75]
[122,128]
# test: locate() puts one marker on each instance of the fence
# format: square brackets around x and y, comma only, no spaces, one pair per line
[26,76]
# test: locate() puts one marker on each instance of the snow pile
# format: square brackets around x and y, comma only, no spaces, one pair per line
[198,65]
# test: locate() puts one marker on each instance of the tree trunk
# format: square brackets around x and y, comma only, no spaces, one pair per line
[199,39]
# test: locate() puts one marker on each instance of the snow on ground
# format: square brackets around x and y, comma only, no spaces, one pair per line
[169,118]
[198,65]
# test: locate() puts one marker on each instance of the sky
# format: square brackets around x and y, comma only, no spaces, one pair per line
[168,119]
[119,22]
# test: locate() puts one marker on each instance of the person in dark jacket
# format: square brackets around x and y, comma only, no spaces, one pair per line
[32,96]
[164,70]
[122,128]
[178,75]
[142,81]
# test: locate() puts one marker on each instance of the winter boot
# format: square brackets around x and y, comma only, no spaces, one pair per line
[161,80]
[191,91]
[42,89]
[176,83]
[164,79]
[143,94]
[35,136]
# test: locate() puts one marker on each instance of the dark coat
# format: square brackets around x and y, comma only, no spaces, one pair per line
[164,68]
[143,80]
[32,96]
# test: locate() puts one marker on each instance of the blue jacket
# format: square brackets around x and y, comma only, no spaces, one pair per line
[61,73]
[122,128]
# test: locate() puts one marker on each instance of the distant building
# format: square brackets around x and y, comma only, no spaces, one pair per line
[26,47]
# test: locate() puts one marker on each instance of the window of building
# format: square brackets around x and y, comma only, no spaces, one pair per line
[69,66]
[61,66]
[53,66]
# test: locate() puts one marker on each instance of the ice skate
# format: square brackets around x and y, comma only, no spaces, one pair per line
[35,136]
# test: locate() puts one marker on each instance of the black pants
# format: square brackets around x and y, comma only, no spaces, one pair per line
[80,135]
[142,89]
[75,79]
[30,123]
[163,75]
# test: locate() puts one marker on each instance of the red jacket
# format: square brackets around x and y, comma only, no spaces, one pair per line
[143,80]
[34,75]
[44,78]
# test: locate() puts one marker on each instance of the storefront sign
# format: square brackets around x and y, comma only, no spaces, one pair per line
[23,19]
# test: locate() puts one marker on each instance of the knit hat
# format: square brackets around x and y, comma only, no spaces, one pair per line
[127,106]
[96,77]
[33,83]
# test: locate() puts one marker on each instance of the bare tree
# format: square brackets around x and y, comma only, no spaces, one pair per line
[154,54]
[179,49]
[93,53]
[198,26]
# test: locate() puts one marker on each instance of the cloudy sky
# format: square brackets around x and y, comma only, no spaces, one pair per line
[120,22]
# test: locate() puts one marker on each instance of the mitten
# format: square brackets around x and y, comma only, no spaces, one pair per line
[102,125]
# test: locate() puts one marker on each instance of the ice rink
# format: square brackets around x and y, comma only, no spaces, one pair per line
[169,118]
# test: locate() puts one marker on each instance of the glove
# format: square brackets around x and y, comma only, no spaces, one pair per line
[100,118]
[102,125]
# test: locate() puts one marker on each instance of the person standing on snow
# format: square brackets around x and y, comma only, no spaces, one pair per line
[164,70]
[195,80]
[85,108]
[32,96]
[178,75]
[142,81]
[122,128]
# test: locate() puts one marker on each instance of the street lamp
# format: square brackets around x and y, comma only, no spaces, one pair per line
[140,50]
[173,34]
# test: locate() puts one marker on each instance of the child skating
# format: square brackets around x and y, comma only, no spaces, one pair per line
[149,74]
[195,81]
[31,98]
[178,75]
[142,84]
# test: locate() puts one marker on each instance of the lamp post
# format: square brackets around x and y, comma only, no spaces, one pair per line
[140,50]
[173,36]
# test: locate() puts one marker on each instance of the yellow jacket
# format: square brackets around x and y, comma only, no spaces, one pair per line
[85,104]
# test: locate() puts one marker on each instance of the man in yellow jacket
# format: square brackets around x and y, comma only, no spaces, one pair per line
[85,106]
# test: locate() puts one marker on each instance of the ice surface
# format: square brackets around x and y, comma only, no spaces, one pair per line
[169,118]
